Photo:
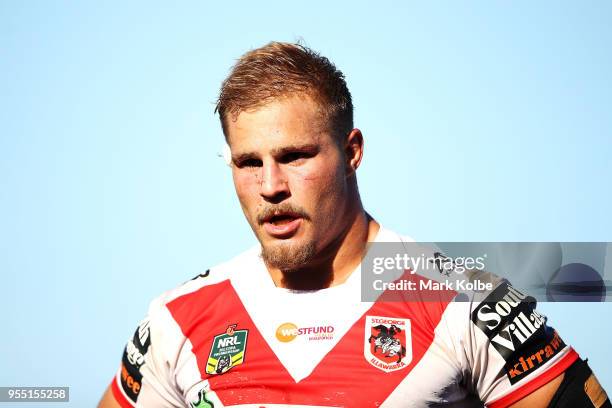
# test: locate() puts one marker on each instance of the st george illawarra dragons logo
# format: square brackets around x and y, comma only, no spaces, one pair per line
[388,342]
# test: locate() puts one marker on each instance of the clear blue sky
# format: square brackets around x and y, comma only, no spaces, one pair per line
[484,121]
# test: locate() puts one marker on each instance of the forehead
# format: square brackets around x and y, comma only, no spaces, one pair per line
[286,120]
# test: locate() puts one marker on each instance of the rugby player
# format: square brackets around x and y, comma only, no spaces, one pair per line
[283,324]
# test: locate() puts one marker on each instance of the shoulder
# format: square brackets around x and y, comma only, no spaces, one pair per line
[212,279]
[161,338]
[176,311]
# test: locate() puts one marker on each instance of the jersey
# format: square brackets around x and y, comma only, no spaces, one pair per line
[230,337]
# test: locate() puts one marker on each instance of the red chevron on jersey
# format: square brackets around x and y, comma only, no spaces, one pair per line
[262,378]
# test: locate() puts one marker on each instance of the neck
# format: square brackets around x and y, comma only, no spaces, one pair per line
[337,261]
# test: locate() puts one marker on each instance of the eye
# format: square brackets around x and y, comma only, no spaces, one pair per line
[293,157]
[248,163]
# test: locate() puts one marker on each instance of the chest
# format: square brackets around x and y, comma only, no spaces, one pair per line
[302,352]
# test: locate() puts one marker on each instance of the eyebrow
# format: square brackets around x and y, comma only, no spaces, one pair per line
[308,147]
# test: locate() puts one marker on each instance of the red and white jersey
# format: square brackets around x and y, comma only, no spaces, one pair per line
[230,337]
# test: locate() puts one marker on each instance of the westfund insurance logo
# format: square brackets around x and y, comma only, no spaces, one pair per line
[287,332]
[516,330]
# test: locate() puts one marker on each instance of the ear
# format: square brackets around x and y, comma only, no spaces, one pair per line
[226,154]
[353,150]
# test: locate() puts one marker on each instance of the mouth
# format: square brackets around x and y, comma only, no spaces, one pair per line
[282,224]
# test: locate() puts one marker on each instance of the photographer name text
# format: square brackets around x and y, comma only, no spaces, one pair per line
[424,285]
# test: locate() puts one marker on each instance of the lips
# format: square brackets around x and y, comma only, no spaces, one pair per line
[282,224]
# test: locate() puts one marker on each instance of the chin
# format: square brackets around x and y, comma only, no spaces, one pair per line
[289,254]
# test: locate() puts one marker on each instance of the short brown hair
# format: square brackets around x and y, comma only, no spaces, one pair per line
[280,69]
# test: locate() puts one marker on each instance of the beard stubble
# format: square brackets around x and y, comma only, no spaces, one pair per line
[289,257]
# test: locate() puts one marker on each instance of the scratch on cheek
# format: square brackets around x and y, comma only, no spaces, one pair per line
[310,176]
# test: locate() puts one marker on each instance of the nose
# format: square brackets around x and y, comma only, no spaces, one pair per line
[274,186]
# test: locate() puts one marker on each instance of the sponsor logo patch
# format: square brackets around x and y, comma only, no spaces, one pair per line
[387,343]
[202,402]
[287,332]
[227,351]
[133,359]
[517,331]
[593,390]
[509,319]
[529,360]
[130,382]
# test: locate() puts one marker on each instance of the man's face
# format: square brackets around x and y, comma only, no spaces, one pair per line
[290,177]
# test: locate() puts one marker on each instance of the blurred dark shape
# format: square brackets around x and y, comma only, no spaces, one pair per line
[576,282]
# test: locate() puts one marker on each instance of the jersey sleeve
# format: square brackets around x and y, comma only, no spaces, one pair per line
[144,378]
[513,351]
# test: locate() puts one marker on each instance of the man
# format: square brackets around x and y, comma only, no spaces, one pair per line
[283,323]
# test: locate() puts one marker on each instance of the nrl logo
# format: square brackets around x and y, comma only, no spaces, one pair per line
[227,350]
[388,343]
